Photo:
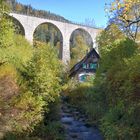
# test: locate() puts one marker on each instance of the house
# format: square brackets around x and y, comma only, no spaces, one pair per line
[86,68]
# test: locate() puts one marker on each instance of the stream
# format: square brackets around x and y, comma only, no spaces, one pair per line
[75,125]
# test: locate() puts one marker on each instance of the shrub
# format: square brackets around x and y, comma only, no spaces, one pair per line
[113,100]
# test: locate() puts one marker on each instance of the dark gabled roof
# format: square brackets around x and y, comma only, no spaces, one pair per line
[77,66]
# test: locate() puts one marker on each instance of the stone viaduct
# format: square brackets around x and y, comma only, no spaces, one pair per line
[30,23]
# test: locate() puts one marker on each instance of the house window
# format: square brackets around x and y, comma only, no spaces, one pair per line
[84,66]
[93,65]
[90,66]
[82,78]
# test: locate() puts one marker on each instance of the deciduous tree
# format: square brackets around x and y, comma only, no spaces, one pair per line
[126,13]
[79,50]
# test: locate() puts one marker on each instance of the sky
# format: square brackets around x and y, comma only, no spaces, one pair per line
[80,11]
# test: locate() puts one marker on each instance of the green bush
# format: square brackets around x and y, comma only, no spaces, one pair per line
[41,78]
[19,54]
[89,100]
[11,61]
[7,32]
[33,79]
[113,100]
[29,83]
[42,73]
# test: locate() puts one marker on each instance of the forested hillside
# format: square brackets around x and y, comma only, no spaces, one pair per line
[29,10]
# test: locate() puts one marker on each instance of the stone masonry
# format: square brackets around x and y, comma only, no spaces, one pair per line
[30,23]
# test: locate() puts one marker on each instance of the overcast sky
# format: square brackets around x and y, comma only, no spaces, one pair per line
[91,11]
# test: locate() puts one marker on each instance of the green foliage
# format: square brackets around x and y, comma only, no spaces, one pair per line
[3,8]
[12,94]
[88,100]
[108,36]
[117,64]
[42,73]
[29,10]
[6,32]
[49,34]
[18,27]
[126,15]
[113,100]
[50,127]
[117,52]
[41,82]
[26,106]
[78,51]
[54,131]
[18,54]
[29,84]
[31,107]
[115,72]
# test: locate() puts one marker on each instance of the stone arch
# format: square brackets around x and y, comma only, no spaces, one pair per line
[19,28]
[30,23]
[89,36]
[55,38]
[84,33]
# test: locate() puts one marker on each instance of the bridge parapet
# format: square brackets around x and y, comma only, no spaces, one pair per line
[70,22]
